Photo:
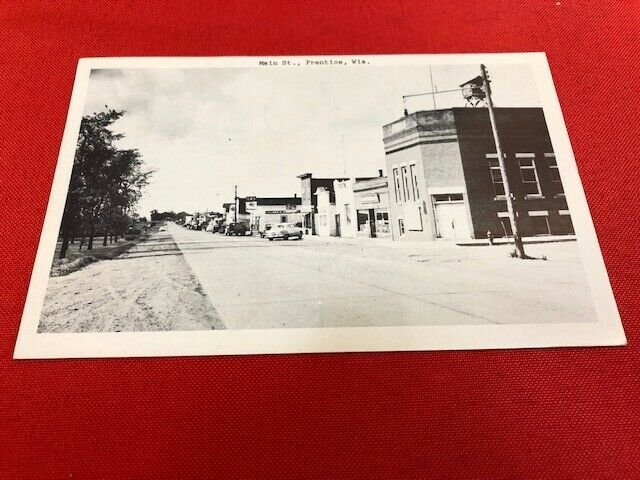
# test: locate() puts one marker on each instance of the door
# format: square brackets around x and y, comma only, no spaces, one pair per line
[337,225]
[372,222]
[451,219]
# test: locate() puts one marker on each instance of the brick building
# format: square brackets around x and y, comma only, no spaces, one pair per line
[445,182]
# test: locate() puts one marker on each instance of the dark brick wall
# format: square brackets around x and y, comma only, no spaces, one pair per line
[522,130]
[322,182]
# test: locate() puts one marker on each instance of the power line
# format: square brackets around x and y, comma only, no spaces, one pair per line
[432,93]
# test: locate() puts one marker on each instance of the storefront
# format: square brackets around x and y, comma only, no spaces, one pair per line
[271,217]
[374,222]
[269,211]
[371,198]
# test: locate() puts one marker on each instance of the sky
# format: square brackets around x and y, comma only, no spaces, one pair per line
[205,130]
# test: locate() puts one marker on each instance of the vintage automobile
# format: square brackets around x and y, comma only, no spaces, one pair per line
[267,227]
[236,229]
[284,231]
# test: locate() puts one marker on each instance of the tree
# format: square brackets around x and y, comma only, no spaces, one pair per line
[106,182]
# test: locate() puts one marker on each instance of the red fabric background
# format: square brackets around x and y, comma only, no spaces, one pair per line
[562,413]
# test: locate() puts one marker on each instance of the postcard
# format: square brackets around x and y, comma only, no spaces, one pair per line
[246,205]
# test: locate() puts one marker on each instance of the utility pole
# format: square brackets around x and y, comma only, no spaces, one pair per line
[235,204]
[513,215]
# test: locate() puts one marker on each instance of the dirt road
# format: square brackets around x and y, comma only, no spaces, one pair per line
[149,288]
[192,280]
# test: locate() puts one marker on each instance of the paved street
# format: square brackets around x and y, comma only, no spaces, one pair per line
[183,279]
[254,283]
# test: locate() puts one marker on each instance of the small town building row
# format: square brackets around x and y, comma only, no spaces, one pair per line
[444,181]
[257,212]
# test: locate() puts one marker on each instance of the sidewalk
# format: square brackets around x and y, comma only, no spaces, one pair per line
[380,242]
[526,240]
[387,242]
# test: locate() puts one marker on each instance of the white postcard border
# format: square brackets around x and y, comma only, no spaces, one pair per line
[606,331]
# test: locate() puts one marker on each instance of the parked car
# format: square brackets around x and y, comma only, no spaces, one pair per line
[284,231]
[236,229]
[216,226]
[267,227]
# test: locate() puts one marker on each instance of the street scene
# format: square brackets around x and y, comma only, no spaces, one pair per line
[241,199]
[181,279]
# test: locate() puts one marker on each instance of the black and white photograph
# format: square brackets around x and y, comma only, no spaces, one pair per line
[313,204]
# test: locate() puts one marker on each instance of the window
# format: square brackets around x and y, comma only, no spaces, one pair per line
[506,227]
[363,221]
[396,180]
[553,167]
[553,171]
[283,218]
[405,184]
[528,173]
[540,225]
[401,226]
[414,181]
[496,174]
[447,197]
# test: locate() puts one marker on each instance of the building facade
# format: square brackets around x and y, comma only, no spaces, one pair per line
[445,181]
[325,219]
[309,185]
[230,215]
[345,214]
[271,210]
[360,208]
[371,197]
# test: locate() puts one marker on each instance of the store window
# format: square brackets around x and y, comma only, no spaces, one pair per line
[528,173]
[363,221]
[382,223]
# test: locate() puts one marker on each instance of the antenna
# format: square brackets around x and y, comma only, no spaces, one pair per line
[433,89]
[344,162]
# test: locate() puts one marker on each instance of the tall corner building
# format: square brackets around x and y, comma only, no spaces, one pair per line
[445,181]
